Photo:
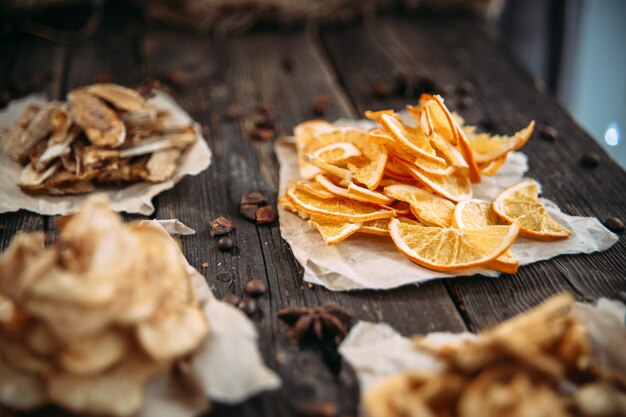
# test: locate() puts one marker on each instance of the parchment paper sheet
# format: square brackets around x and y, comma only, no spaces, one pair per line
[135,198]
[376,351]
[372,262]
[228,366]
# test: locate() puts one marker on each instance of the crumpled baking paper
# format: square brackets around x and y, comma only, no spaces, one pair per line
[135,198]
[366,261]
[376,351]
[228,367]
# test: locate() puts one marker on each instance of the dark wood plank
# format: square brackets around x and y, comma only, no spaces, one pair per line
[244,71]
[453,49]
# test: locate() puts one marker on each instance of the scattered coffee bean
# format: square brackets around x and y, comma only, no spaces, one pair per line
[486,124]
[233,111]
[232,299]
[318,409]
[248,211]
[321,104]
[424,84]
[287,64]
[265,214]
[262,134]
[381,89]
[253,197]
[177,77]
[549,133]
[220,226]
[447,89]
[255,287]
[403,84]
[104,77]
[264,109]
[464,102]
[615,224]
[465,88]
[620,296]
[590,159]
[225,244]
[247,305]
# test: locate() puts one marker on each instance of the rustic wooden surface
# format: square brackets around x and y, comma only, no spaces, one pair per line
[340,62]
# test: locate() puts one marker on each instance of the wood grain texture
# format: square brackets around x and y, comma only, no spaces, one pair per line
[206,75]
[454,49]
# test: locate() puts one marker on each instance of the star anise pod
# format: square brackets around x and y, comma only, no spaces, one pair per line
[328,322]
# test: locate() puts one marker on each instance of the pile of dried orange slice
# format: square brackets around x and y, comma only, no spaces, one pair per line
[414,184]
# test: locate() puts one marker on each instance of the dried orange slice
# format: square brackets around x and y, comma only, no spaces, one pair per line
[345,175]
[438,116]
[487,148]
[336,153]
[285,203]
[520,204]
[494,166]
[340,209]
[402,208]
[304,134]
[354,192]
[428,167]
[378,227]
[455,187]
[474,214]
[333,231]
[412,141]
[375,116]
[449,249]
[312,187]
[428,208]
[468,155]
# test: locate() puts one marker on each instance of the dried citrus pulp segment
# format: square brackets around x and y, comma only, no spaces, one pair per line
[455,187]
[353,192]
[449,249]
[332,231]
[520,204]
[312,187]
[340,209]
[413,182]
[487,148]
[430,209]
[474,214]
[375,227]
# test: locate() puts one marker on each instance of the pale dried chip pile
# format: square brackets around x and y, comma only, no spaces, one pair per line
[87,322]
[536,364]
[413,183]
[106,135]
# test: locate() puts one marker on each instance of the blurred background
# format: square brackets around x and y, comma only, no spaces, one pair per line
[575,50]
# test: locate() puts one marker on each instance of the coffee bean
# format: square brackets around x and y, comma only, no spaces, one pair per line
[265,214]
[248,211]
[447,89]
[321,104]
[318,409]
[619,296]
[253,197]
[464,103]
[220,226]
[465,88]
[255,288]
[380,89]
[262,134]
[549,133]
[232,299]
[287,64]
[247,305]
[104,77]
[233,111]
[590,159]
[615,224]
[264,109]
[424,84]
[177,77]
[486,124]
[225,244]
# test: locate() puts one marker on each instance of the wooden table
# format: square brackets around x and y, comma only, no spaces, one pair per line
[343,63]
